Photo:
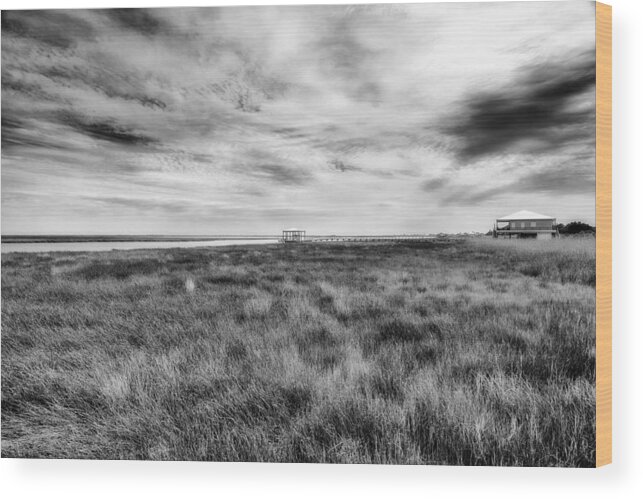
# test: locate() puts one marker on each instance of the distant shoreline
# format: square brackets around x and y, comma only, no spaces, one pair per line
[121,238]
[157,238]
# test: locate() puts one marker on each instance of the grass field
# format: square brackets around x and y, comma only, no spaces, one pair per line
[477,352]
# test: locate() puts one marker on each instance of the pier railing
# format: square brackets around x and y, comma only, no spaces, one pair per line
[368,238]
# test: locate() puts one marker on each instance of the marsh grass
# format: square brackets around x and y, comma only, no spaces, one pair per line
[474,352]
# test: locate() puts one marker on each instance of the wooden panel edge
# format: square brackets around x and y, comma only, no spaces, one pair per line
[603,234]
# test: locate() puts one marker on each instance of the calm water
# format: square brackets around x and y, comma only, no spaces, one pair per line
[124,245]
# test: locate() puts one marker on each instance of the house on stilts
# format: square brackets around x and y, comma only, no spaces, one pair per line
[526,224]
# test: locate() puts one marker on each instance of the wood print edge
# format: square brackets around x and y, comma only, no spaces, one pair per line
[603,234]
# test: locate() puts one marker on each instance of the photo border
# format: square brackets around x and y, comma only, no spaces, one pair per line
[603,234]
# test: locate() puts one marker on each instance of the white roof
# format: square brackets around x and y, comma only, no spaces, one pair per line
[292,229]
[525,215]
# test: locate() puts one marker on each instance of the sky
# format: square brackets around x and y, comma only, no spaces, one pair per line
[367,119]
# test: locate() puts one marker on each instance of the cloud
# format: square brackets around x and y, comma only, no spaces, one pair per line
[20,133]
[434,184]
[346,56]
[105,130]
[101,76]
[56,28]
[548,106]
[558,181]
[13,83]
[309,114]
[142,21]
[141,205]
[339,165]
[281,174]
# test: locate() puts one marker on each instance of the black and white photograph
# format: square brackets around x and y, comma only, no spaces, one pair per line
[358,234]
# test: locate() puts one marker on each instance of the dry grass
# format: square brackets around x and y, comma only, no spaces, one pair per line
[461,352]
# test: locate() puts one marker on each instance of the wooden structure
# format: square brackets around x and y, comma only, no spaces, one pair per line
[293,236]
[367,239]
[524,224]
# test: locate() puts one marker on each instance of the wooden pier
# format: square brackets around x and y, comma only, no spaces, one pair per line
[364,239]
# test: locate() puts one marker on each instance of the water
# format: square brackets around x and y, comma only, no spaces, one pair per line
[123,245]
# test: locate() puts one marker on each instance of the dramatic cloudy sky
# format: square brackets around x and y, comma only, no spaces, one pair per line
[339,119]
